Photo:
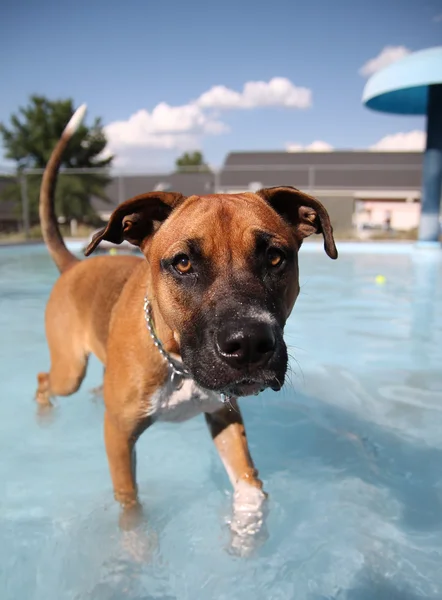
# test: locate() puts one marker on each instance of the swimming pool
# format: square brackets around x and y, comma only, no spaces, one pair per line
[350,453]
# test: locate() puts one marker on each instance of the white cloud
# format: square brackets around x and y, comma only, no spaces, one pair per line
[165,127]
[316,146]
[387,56]
[411,141]
[170,128]
[279,91]
[406,142]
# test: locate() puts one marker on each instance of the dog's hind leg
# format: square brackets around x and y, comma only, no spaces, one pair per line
[63,379]
[68,367]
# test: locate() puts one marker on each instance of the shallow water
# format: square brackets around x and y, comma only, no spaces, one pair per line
[350,453]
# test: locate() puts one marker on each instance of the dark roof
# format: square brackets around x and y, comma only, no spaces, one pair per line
[336,157]
[338,169]
[124,187]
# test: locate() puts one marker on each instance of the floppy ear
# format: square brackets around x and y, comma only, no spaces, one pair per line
[306,214]
[137,218]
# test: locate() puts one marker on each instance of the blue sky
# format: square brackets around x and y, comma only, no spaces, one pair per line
[149,69]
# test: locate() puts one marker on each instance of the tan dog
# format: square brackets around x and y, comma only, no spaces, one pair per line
[187,330]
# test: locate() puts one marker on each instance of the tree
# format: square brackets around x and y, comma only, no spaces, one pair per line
[29,141]
[189,160]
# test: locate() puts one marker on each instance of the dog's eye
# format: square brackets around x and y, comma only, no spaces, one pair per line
[275,257]
[182,264]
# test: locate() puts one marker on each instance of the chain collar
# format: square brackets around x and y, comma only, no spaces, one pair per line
[178,371]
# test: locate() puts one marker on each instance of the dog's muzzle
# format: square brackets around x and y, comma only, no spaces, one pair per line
[238,357]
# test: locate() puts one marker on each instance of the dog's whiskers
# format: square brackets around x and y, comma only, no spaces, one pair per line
[230,404]
[294,359]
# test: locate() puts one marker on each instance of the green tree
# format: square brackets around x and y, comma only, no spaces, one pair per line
[29,141]
[191,159]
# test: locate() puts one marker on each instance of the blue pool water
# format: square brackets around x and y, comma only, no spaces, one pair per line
[350,453]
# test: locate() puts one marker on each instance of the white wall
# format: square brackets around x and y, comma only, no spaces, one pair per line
[404,215]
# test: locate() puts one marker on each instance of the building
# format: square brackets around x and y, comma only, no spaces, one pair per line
[361,189]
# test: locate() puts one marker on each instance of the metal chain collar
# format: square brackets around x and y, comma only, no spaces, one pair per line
[178,372]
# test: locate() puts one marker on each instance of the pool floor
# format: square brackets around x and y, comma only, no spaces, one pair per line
[350,452]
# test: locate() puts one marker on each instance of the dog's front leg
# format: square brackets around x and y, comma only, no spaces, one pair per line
[228,432]
[120,438]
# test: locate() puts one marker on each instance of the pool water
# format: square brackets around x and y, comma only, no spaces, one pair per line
[350,452]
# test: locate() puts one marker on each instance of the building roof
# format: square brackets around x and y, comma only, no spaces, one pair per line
[336,157]
[356,170]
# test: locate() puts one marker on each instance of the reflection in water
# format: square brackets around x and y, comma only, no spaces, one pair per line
[427,284]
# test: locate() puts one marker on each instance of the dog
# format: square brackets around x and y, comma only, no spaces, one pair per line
[189,328]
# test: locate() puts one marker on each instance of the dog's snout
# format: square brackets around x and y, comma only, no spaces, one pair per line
[248,343]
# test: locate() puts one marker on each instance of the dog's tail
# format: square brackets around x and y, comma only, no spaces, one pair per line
[62,257]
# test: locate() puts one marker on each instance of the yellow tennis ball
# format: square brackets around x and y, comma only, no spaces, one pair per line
[113,251]
[380,279]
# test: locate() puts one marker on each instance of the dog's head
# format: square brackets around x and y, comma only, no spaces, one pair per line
[224,272]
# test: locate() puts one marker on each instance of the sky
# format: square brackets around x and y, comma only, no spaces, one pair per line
[166,77]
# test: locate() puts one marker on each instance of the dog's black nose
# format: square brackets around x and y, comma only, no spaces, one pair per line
[248,343]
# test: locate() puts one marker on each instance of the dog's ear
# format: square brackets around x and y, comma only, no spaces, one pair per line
[136,219]
[306,214]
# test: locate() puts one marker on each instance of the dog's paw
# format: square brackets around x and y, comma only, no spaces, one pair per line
[137,541]
[139,545]
[45,412]
[43,400]
[247,526]
[246,545]
[42,395]
[131,517]
[249,509]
